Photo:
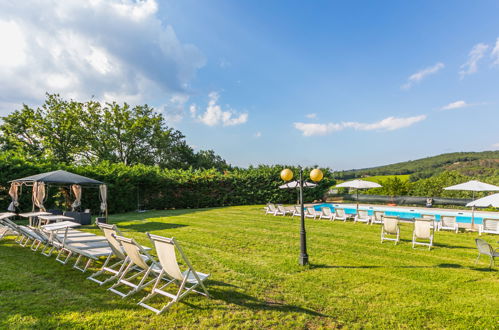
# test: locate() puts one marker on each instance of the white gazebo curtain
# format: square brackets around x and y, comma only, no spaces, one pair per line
[103,198]
[76,188]
[39,195]
[14,194]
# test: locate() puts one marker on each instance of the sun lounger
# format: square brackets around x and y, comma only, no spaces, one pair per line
[281,210]
[489,226]
[271,209]
[362,216]
[310,212]
[326,213]
[377,217]
[448,222]
[340,214]
[422,231]
[390,227]
[187,281]
[296,211]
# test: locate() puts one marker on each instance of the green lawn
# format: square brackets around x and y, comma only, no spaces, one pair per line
[380,178]
[354,281]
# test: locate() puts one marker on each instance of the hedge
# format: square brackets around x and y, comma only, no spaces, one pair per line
[150,187]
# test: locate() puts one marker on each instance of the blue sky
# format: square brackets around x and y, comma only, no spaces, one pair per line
[338,84]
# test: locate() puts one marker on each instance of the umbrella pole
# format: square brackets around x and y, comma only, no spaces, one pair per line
[473,214]
[357,201]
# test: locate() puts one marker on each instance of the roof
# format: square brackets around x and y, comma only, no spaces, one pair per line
[59,177]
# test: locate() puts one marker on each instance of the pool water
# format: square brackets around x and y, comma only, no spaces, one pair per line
[410,214]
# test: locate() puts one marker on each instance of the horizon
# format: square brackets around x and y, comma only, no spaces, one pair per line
[337,85]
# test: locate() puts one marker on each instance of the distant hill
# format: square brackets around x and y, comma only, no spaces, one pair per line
[468,163]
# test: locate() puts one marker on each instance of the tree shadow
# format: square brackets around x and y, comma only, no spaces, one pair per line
[453,246]
[151,226]
[319,266]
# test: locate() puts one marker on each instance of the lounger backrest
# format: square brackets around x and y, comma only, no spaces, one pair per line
[428,216]
[281,208]
[390,224]
[326,210]
[483,247]
[13,226]
[363,214]
[271,207]
[165,248]
[310,210]
[133,251]
[110,231]
[298,209]
[422,228]
[448,220]
[339,212]
[491,224]
[378,215]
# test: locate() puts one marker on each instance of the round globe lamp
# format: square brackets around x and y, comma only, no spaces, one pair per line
[287,174]
[316,175]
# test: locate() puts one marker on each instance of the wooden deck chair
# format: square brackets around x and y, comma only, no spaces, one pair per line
[296,210]
[490,226]
[326,213]
[377,217]
[362,216]
[485,248]
[390,227]
[271,209]
[116,269]
[187,281]
[139,262]
[448,222]
[339,214]
[310,212]
[423,230]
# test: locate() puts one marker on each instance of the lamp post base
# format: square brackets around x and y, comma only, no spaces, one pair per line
[303,260]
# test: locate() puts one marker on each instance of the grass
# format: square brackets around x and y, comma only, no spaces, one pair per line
[353,281]
[381,178]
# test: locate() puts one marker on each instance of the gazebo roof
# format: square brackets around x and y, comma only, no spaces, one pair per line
[59,177]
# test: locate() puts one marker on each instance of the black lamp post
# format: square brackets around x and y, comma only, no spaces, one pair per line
[316,175]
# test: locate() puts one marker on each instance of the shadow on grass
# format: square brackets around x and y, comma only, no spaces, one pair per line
[313,266]
[151,226]
[454,266]
[138,216]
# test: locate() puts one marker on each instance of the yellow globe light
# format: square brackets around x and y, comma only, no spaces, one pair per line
[316,175]
[287,174]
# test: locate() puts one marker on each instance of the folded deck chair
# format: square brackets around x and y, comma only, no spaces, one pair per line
[116,269]
[377,217]
[326,213]
[281,210]
[362,216]
[490,226]
[339,214]
[271,209]
[390,227]
[187,281]
[485,248]
[89,247]
[296,211]
[310,212]
[423,231]
[448,222]
[140,262]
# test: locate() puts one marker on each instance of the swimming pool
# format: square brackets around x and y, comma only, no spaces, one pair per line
[411,213]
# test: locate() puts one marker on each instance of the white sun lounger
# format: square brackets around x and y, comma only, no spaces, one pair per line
[296,211]
[489,226]
[390,227]
[281,210]
[326,213]
[362,216]
[448,222]
[340,214]
[270,209]
[377,217]
[187,281]
[310,212]
[422,231]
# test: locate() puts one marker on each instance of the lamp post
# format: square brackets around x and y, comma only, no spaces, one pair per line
[316,175]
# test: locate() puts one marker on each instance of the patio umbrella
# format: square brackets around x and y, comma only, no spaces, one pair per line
[358,184]
[492,200]
[473,186]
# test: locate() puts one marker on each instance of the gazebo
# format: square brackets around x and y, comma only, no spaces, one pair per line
[39,182]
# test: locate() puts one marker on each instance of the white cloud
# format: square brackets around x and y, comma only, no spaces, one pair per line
[387,124]
[214,115]
[495,145]
[471,66]
[116,50]
[258,134]
[495,53]
[311,115]
[420,75]
[455,105]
